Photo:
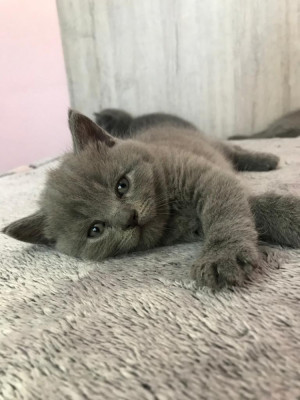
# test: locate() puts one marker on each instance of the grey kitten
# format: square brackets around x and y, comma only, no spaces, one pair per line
[164,183]
[287,126]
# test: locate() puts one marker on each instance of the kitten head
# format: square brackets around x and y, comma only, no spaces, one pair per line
[105,198]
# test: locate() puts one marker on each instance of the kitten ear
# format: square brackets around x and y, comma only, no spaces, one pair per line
[84,130]
[29,229]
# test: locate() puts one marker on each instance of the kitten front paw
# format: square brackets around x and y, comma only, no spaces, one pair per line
[219,268]
[267,162]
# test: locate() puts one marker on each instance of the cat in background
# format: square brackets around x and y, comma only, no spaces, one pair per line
[287,126]
[135,183]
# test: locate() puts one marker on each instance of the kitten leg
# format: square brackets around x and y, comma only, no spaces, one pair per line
[230,239]
[245,160]
[277,218]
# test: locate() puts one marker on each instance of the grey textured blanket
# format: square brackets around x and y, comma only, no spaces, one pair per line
[134,327]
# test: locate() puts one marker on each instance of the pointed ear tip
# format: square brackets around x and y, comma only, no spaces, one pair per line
[71,112]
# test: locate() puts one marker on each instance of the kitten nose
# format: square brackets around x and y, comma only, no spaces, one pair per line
[132,219]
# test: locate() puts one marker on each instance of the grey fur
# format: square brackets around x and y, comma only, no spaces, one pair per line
[287,126]
[183,187]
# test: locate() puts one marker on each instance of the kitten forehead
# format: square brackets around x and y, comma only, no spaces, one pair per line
[79,181]
[85,181]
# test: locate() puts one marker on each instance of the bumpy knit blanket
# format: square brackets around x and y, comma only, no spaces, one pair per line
[135,327]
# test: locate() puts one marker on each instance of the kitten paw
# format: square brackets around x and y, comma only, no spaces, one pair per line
[220,268]
[267,162]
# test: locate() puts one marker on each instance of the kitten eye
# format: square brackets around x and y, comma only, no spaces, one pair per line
[96,229]
[122,186]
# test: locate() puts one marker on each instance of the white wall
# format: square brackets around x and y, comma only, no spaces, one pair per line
[231,66]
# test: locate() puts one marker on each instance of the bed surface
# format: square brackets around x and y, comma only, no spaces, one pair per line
[134,327]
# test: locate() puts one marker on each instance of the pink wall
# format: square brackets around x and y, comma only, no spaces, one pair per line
[33,89]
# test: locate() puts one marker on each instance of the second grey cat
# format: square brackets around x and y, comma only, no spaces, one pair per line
[287,126]
[132,184]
